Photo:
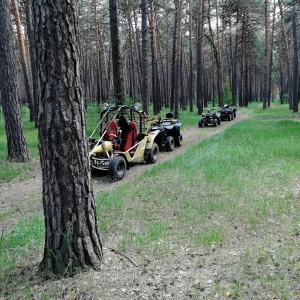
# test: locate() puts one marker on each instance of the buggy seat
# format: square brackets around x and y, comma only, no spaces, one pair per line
[112,130]
[131,136]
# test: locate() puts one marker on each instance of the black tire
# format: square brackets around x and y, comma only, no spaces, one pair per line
[178,141]
[152,157]
[117,167]
[170,143]
[200,123]
[229,117]
[234,115]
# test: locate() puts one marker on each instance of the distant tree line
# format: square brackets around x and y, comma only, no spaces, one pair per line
[177,53]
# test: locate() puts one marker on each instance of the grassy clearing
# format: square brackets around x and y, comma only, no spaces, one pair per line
[238,186]
[234,199]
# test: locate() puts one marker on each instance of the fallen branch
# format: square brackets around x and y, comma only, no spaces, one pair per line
[122,254]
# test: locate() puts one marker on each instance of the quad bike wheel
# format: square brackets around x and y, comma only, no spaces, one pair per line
[170,143]
[117,167]
[178,141]
[152,157]
[200,123]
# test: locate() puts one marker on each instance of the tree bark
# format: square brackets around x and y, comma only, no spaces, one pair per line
[266,53]
[200,34]
[24,63]
[16,143]
[177,58]
[191,77]
[30,33]
[155,83]
[116,55]
[295,60]
[72,240]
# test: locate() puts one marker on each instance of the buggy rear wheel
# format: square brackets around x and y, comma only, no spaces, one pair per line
[170,143]
[117,168]
[152,157]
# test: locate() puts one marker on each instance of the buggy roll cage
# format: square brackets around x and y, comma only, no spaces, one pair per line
[113,112]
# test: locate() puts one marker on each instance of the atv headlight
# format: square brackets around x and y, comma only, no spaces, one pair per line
[105,106]
[137,105]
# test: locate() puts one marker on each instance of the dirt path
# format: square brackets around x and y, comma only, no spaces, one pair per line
[18,199]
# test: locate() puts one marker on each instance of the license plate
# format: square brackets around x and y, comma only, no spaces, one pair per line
[100,163]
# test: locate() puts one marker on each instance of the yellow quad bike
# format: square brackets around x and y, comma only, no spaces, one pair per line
[123,138]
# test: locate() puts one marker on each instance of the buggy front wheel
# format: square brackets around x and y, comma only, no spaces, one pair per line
[117,168]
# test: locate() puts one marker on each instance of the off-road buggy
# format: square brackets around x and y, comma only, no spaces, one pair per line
[169,131]
[227,112]
[120,138]
[210,118]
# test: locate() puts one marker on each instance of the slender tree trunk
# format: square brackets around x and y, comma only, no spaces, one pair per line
[72,240]
[16,143]
[177,58]
[200,58]
[116,55]
[30,31]
[286,54]
[295,60]
[173,64]
[27,80]
[271,56]
[98,68]
[219,58]
[266,53]
[152,29]
[191,77]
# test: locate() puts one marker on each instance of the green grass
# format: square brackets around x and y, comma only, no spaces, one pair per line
[21,171]
[235,191]
[252,162]
[17,248]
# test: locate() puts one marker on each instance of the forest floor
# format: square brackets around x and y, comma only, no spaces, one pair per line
[119,277]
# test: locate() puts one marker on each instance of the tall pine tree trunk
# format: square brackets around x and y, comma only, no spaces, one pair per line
[200,34]
[26,74]
[266,53]
[116,55]
[16,143]
[72,240]
[177,59]
[191,77]
[295,60]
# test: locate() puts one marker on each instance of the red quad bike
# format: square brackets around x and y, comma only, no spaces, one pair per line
[209,118]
